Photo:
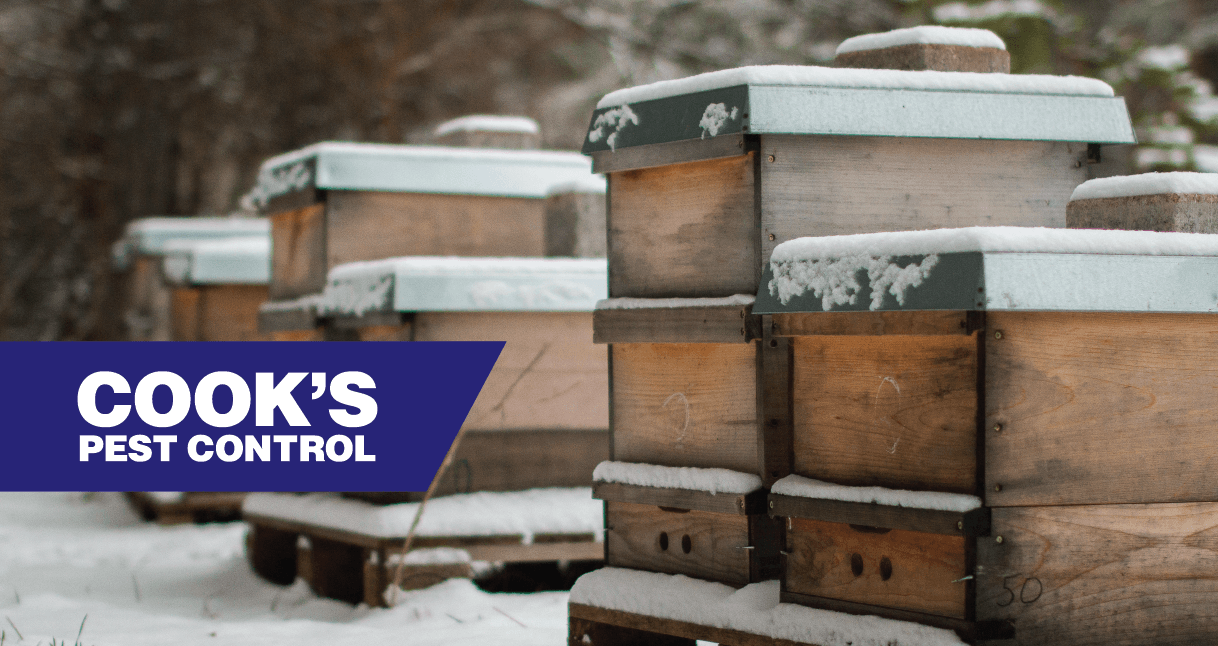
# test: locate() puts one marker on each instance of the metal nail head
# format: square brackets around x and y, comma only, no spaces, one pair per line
[998,334]
[997,539]
[997,428]
[771,158]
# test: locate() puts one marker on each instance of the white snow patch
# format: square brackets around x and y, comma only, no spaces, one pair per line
[736,300]
[715,117]
[690,478]
[794,485]
[610,123]
[1147,184]
[962,12]
[484,513]
[487,123]
[835,280]
[235,260]
[923,35]
[166,496]
[754,609]
[811,76]
[148,236]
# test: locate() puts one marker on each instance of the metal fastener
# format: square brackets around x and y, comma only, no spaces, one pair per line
[998,334]
[997,428]
[771,504]
[997,539]
[771,236]
[960,524]
[741,331]
[771,158]
[997,487]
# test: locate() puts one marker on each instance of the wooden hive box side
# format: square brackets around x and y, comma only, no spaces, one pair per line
[370,225]
[298,252]
[230,312]
[692,542]
[185,314]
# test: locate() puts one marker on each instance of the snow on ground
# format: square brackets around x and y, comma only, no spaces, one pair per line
[64,556]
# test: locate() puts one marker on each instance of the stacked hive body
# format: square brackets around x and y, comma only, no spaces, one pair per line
[706,177]
[193,279]
[428,243]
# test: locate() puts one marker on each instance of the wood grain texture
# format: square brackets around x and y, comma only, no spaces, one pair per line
[685,230]
[524,459]
[826,185]
[369,225]
[931,521]
[776,415]
[1103,574]
[890,411]
[720,503]
[575,225]
[297,335]
[838,561]
[184,314]
[549,376]
[719,324]
[875,323]
[647,537]
[592,626]
[230,312]
[690,405]
[298,252]
[401,332]
[1101,408]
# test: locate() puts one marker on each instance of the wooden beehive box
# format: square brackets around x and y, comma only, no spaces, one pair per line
[1063,378]
[707,174]
[336,203]
[217,287]
[541,420]
[139,253]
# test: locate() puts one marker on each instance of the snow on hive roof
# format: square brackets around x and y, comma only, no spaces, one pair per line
[923,35]
[589,184]
[831,77]
[998,240]
[689,478]
[536,511]
[1147,184]
[149,235]
[417,169]
[488,123]
[753,609]
[461,284]
[230,261]
[794,485]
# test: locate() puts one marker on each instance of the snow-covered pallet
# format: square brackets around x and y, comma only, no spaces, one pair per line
[708,174]
[172,508]
[147,299]
[217,287]
[337,203]
[350,550]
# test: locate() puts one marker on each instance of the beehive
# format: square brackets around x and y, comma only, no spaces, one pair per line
[218,286]
[1038,372]
[138,254]
[335,203]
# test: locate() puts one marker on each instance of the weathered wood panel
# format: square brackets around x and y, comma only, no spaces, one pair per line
[549,376]
[893,568]
[519,460]
[931,521]
[716,324]
[369,225]
[298,252]
[1103,574]
[402,332]
[184,314]
[876,323]
[1100,408]
[719,503]
[230,312]
[695,543]
[685,230]
[692,405]
[297,335]
[575,225]
[891,411]
[826,185]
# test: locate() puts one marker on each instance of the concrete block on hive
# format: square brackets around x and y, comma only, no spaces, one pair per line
[943,49]
[489,131]
[1185,202]
[707,174]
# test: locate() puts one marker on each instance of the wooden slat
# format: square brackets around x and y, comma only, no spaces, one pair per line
[575,225]
[775,412]
[685,230]
[587,629]
[719,324]
[1103,574]
[369,225]
[298,252]
[667,154]
[647,537]
[721,503]
[303,320]
[586,550]
[925,572]
[932,521]
[897,412]
[184,314]
[294,335]
[230,312]
[1100,408]
[967,630]
[549,376]
[829,185]
[876,323]
[692,405]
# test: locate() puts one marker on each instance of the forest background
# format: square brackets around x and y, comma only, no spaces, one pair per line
[111,110]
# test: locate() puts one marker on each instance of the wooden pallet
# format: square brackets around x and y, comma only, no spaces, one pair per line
[592,626]
[358,568]
[194,507]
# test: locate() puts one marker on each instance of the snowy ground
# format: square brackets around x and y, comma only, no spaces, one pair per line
[65,556]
